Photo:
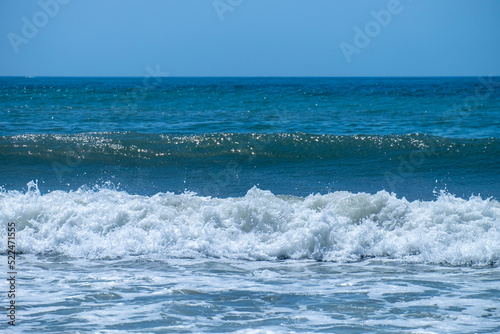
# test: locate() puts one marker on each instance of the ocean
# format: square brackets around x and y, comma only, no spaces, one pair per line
[250,205]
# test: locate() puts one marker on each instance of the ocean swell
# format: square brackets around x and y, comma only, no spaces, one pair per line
[137,149]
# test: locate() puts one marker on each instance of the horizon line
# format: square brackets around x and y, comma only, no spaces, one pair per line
[250,77]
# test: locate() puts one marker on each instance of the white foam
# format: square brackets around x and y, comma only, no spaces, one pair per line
[339,226]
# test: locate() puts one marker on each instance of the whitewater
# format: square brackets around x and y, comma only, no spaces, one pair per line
[339,226]
[102,260]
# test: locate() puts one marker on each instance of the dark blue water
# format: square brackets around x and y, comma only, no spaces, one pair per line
[222,136]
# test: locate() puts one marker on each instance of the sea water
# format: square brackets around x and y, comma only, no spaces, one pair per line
[252,205]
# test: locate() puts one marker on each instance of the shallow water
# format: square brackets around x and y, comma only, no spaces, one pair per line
[207,295]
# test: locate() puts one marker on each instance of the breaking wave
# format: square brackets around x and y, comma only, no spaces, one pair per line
[339,226]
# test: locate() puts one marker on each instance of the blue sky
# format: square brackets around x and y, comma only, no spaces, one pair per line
[250,37]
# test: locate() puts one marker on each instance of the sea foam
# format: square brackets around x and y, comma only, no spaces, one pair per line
[339,226]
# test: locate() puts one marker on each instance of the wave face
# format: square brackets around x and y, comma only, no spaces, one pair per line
[228,164]
[339,226]
[139,149]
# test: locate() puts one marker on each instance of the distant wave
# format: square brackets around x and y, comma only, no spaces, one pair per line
[339,226]
[137,149]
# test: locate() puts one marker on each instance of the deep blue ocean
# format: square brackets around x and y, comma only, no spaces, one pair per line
[253,205]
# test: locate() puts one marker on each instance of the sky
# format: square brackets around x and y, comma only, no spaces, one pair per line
[250,38]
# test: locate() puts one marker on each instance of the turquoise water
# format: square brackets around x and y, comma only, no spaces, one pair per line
[221,137]
[248,205]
